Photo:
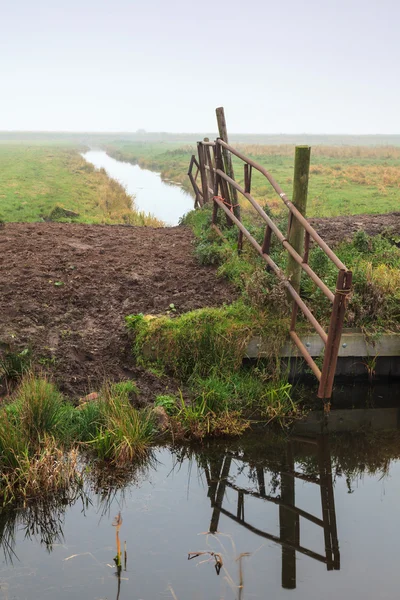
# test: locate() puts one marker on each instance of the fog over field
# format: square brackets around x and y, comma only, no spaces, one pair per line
[313,67]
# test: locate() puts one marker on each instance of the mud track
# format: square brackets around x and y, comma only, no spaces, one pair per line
[66,288]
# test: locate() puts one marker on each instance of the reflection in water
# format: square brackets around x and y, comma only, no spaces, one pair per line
[42,520]
[265,503]
[217,472]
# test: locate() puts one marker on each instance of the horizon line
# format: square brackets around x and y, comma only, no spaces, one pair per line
[143,132]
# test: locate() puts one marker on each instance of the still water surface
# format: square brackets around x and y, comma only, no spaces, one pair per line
[165,201]
[306,518]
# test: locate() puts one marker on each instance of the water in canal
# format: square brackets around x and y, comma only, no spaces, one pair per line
[309,516]
[165,201]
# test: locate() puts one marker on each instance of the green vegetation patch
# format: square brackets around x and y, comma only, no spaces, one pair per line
[344,180]
[42,436]
[204,349]
[50,182]
[201,340]
[374,304]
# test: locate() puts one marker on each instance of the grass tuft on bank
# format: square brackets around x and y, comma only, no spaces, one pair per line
[44,437]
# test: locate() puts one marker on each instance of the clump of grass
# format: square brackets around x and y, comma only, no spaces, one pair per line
[49,470]
[124,388]
[84,422]
[168,403]
[40,408]
[13,365]
[223,404]
[41,433]
[196,420]
[124,433]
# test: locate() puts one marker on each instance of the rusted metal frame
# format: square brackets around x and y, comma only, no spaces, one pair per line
[303,439]
[324,288]
[267,240]
[222,184]
[215,193]
[215,206]
[240,506]
[196,189]
[203,174]
[307,313]
[274,538]
[209,165]
[306,355]
[325,509]
[305,260]
[324,445]
[219,494]
[247,177]
[331,255]
[278,502]
[343,286]
[308,478]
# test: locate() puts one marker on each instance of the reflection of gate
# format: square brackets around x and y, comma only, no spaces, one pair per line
[217,474]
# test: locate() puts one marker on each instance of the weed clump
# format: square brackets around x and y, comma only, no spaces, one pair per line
[13,365]
[124,433]
[39,408]
[41,434]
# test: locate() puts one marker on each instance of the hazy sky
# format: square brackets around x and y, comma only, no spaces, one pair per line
[282,66]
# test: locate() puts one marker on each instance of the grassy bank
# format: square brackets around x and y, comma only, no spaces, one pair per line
[375,262]
[46,442]
[344,180]
[204,349]
[55,182]
[43,437]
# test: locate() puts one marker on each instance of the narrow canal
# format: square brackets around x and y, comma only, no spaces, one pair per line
[310,516]
[165,201]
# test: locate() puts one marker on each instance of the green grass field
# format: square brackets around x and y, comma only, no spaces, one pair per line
[35,179]
[344,180]
[38,175]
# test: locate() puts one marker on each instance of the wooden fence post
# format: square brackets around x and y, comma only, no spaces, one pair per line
[295,235]
[223,134]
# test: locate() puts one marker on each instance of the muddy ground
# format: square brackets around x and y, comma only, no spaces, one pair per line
[66,288]
[336,229]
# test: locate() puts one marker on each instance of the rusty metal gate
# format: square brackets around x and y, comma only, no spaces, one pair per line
[218,187]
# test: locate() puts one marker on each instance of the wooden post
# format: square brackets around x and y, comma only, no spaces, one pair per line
[295,234]
[223,134]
